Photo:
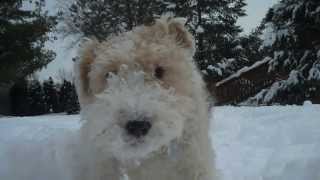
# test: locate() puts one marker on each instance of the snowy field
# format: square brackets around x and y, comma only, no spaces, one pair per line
[268,143]
[263,143]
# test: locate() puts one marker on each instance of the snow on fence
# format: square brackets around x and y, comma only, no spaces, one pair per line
[245,83]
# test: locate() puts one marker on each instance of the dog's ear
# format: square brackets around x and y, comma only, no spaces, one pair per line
[176,28]
[82,69]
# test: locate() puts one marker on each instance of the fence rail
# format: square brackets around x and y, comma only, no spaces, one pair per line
[246,85]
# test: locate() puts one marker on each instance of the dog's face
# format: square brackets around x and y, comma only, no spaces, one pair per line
[136,89]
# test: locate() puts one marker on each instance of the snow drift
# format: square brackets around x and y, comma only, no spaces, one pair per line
[252,143]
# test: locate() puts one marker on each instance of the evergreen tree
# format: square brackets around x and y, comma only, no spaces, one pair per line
[36,98]
[23,34]
[295,51]
[72,106]
[63,95]
[68,98]
[213,23]
[51,96]
[252,45]
[19,98]
[101,18]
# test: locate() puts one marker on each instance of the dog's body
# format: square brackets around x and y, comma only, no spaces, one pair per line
[144,107]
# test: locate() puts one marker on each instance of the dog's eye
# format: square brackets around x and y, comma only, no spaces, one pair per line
[107,75]
[159,72]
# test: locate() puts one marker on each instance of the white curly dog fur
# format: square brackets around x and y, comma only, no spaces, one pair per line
[144,107]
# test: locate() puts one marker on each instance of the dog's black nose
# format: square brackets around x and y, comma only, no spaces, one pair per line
[138,128]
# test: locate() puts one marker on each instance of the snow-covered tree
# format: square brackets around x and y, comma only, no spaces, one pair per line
[23,33]
[101,18]
[293,35]
[213,23]
[252,45]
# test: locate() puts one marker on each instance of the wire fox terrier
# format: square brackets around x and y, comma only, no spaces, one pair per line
[144,106]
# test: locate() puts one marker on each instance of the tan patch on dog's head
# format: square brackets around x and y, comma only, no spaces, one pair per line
[162,51]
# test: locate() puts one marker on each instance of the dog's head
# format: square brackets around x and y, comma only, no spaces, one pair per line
[136,89]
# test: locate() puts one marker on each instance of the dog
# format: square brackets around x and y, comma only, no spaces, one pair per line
[144,106]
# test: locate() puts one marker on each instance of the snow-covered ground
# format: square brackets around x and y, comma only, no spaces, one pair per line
[268,143]
[31,147]
[251,143]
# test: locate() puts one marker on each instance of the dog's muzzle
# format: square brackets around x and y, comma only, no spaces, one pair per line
[138,128]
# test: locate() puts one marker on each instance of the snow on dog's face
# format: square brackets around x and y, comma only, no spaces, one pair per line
[135,90]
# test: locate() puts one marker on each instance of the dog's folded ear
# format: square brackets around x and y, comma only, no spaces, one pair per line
[176,28]
[82,69]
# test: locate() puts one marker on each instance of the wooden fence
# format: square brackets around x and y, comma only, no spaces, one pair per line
[238,88]
[249,82]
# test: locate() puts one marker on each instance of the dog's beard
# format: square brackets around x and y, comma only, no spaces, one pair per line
[125,100]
